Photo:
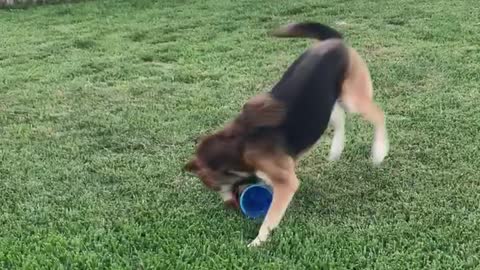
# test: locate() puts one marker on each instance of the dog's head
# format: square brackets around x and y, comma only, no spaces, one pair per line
[218,160]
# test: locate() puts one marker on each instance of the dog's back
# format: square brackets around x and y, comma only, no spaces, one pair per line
[308,90]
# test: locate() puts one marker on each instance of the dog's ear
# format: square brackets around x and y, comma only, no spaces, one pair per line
[231,129]
[192,166]
[263,110]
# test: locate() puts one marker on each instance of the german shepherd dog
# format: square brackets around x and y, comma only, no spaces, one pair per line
[275,128]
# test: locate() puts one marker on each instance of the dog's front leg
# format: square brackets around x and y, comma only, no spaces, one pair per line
[281,174]
[282,196]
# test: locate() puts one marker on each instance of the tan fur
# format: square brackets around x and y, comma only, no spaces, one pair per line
[325,46]
[263,110]
[279,169]
[357,97]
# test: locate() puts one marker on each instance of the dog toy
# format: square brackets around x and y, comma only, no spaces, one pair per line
[254,199]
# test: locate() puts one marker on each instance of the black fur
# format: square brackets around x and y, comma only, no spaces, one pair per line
[308,29]
[309,89]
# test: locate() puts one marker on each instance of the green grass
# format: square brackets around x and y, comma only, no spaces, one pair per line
[100,103]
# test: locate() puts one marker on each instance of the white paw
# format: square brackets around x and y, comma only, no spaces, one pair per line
[337,147]
[334,155]
[256,242]
[379,151]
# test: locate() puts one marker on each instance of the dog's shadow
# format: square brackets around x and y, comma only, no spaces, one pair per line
[334,192]
[340,190]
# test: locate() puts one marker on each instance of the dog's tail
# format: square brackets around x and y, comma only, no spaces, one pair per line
[307,29]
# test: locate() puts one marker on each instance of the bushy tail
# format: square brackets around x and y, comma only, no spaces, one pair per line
[307,29]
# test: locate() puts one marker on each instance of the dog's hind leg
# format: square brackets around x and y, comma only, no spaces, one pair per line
[357,97]
[337,121]
[372,113]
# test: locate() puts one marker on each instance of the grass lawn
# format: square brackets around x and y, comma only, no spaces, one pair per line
[100,103]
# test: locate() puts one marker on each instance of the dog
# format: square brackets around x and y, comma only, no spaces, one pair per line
[274,129]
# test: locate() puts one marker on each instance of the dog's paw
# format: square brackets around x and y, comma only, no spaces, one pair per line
[256,242]
[336,149]
[334,155]
[260,239]
[379,151]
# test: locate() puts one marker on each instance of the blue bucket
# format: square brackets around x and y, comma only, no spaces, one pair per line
[255,200]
